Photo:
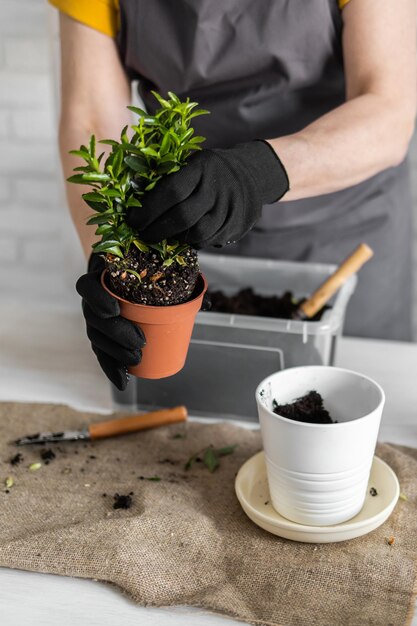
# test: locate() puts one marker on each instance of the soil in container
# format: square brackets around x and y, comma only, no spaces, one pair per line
[248,302]
[309,409]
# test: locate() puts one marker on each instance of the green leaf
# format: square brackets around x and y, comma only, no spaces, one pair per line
[109,142]
[180,260]
[118,163]
[134,274]
[156,246]
[81,153]
[170,156]
[110,242]
[190,146]
[164,103]
[136,164]
[197,139]
[210,459]
[93,196]
[150,121]
[123,135]
[104,229]
[133,202]
[92,146]
[179,436]
[191,461]
[168,262]
[198,112]
[79,179]
[173,246]
[124,230]
[116,252]
[111,247]
[190,105]
[100,207]
[165,144]
[141,245]
[96,202]
[174,97]
[96,177]
[174,137]
[110,193]
[187,135]
[150,152]
[98,219]
[138,111]
[165,168]
[144,117]
[226,450]
[129,147]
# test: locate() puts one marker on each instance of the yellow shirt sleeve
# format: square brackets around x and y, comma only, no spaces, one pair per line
[102,15]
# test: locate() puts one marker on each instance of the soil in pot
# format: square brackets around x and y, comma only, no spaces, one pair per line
[309,409]
[141,277]
[248,302]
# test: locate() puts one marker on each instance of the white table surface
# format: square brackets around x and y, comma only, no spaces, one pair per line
[44,357]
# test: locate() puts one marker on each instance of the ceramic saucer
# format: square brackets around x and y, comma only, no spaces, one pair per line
[252,491]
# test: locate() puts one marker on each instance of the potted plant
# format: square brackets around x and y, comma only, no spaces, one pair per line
[158,285]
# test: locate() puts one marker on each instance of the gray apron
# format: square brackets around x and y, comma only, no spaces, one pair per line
[265,69]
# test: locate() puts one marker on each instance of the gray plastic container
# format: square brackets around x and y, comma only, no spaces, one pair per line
[230,354]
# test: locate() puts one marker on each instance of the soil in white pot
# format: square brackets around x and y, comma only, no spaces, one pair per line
[309,408]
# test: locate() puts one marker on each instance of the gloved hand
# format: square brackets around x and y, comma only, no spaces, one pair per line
[116,342]
[215,199]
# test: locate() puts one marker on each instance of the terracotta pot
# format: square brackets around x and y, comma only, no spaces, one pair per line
[167,330]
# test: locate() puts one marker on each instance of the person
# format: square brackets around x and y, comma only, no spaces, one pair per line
[312,111]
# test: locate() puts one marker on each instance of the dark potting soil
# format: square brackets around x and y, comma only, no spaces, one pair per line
[47,455]
[122,502]
[16,459]
[308,409]
[247,302]
[157,285]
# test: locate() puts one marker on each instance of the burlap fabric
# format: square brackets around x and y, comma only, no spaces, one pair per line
[185,540]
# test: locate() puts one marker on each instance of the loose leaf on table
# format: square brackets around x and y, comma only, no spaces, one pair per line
[210,457]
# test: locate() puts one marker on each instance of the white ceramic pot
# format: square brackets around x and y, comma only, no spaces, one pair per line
[318,473]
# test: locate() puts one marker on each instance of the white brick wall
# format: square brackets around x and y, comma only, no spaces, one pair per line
[5,122]
[5,191]
[26,53]
[38,248]
[39,253]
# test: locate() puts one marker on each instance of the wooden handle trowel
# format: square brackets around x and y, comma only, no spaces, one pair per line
[318,299]
[118,426]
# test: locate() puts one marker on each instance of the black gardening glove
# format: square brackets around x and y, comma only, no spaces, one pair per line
[115,341]
[215,199]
